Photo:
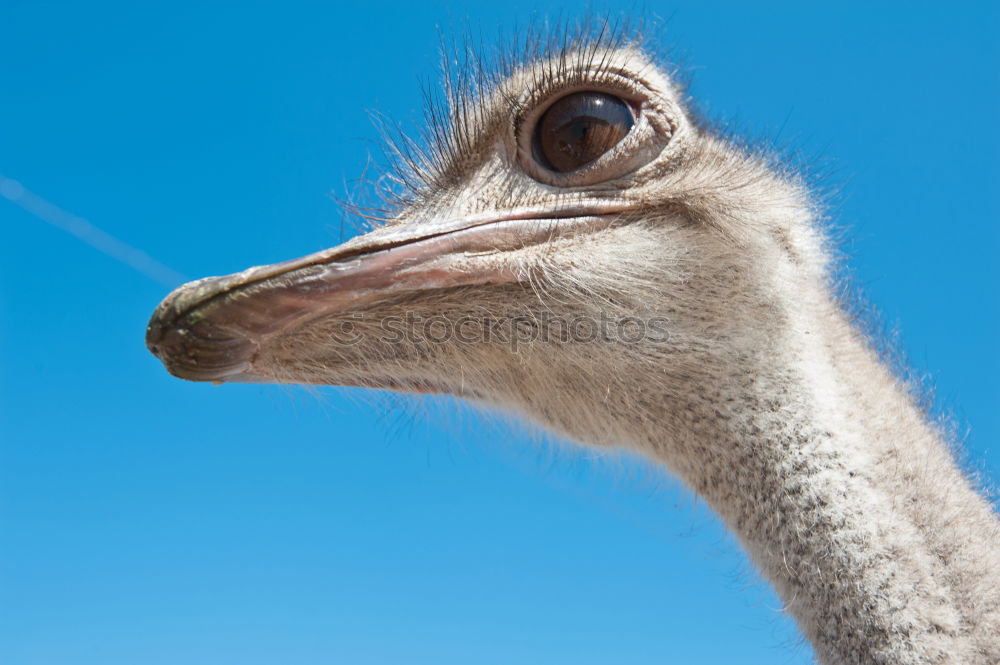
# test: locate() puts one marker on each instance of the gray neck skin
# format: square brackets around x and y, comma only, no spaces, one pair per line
[816,457]
[847,501]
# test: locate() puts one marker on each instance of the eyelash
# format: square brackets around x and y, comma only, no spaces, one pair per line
[499,96]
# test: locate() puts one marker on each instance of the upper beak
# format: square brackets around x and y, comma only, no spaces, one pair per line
[211,329]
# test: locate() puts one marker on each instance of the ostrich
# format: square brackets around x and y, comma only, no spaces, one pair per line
[590,257]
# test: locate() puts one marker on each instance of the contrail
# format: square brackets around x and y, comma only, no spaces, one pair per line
[100,240]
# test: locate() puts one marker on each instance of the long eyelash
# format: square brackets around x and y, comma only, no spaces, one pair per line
[473,98]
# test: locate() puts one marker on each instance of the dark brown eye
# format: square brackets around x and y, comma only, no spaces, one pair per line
[581,127]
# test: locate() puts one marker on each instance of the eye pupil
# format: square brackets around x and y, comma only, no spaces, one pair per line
[581,127]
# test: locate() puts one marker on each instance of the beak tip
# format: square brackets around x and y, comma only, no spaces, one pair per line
[196,350]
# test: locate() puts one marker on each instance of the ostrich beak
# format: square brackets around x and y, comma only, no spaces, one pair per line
[211,329]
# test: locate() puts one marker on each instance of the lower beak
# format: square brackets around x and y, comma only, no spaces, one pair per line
[211,329]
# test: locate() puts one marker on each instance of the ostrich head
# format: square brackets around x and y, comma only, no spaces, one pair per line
[575,248]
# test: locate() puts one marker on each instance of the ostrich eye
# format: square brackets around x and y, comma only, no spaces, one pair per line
[581,127]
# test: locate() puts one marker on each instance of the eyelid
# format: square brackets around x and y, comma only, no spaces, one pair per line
[535,102]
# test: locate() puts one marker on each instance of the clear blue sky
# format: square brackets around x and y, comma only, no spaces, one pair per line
[148,520]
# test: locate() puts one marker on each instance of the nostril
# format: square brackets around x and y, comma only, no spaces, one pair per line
[154,334]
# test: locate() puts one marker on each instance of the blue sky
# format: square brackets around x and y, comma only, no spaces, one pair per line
[148,520]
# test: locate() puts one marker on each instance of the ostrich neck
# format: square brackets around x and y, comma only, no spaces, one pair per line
[845,498]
